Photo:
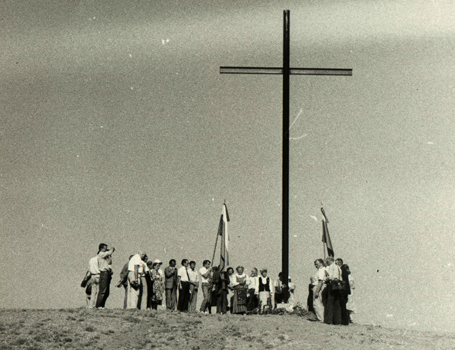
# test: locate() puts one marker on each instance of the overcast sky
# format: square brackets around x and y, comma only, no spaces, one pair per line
[116,127]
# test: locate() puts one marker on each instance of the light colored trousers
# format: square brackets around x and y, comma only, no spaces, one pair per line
[193,298]
[95,290]
[133,294]
[318,304]
[144,295]
[206,291]
[171,298]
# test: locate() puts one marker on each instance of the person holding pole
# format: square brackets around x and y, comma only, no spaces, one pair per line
[206,285]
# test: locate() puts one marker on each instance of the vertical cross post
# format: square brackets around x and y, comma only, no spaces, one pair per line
[285,192]
[286,71]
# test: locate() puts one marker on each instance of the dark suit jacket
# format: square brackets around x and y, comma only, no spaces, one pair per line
[170,280]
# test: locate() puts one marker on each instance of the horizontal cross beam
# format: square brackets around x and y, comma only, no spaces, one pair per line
[279,71]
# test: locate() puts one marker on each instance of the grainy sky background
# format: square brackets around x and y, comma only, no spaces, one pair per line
[116,127]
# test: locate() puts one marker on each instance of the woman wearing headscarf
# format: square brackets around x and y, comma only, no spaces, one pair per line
[265,291]
[252,282]
[239,286]
[157,278]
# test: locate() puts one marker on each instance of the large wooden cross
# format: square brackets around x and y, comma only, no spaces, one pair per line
[286,71]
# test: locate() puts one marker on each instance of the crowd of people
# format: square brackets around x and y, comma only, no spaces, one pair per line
[330,290]
[147,286]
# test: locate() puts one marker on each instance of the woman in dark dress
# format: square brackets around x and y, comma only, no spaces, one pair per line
[240,291]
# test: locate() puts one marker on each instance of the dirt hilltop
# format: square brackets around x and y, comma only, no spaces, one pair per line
[134,329]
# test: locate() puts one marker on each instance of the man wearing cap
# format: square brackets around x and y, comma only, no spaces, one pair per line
[105,266]
[134,279]
[183,281]
[170,285]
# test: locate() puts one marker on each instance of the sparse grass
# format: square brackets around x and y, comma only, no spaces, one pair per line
[121,329]
[34,347]
[20,341]
[249,338]
[132,319]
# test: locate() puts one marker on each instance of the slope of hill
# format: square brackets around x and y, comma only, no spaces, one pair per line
[133,329]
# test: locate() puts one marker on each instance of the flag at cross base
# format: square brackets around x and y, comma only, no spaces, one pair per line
[326,237]
[223,232]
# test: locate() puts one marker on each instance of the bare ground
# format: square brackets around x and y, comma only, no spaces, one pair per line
[131,329]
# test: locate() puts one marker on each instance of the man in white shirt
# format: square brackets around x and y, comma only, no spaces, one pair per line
[206,284]
[95,278]
[135,266]
[193,277]
[318,286]
[333,269]
[183,282]
[332,311]
[105,266]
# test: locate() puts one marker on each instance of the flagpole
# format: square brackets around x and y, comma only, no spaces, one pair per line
[214,249]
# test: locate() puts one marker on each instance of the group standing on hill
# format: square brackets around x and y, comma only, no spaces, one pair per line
[146,285]
[98,277]
[329,292]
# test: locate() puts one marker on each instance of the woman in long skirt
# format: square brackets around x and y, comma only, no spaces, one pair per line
[240,291]
[265,292]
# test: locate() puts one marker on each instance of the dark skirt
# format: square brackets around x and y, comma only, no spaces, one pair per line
[310,298]
[239,300]
[252,300]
